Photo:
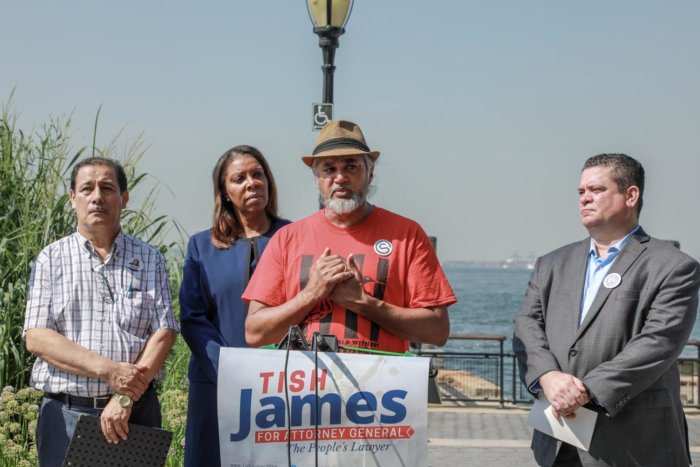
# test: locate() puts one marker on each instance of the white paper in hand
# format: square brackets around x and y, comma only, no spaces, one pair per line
[576,431]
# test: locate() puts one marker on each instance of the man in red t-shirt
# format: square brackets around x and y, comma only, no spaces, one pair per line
[362,273]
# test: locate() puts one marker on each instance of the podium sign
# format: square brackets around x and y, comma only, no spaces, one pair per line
[371,409]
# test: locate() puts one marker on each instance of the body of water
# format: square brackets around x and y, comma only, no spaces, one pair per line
[489,298]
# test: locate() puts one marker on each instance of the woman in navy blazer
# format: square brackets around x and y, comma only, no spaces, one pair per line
[218,265]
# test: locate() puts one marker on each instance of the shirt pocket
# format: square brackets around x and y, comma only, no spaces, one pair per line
[133,313]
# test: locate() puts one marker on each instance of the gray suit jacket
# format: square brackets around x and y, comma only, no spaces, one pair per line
[624,351]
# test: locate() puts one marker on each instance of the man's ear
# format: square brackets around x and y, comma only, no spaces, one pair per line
[72,199]
[632,196]
[125,199]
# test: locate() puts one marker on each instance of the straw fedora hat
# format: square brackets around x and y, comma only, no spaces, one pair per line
[340,138]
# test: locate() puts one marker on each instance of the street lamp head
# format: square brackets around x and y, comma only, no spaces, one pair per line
[329,14]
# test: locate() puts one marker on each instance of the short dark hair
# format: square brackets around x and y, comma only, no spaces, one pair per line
[226,226]
[626,171]
[116,166]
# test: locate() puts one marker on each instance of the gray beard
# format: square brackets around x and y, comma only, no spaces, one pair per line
[344,206]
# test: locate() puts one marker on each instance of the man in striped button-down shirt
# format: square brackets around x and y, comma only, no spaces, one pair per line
[99,318]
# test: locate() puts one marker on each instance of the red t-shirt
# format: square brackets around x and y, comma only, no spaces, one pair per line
[395,256]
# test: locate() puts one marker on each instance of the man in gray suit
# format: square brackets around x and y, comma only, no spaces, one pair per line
[602,323]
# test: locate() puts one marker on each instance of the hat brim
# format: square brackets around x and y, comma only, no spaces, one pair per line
[339,152]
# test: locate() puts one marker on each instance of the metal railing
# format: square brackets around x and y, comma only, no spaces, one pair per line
[689,369]
[485,372]
[474,375]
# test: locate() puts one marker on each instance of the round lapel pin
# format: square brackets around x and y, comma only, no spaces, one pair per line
[612,280]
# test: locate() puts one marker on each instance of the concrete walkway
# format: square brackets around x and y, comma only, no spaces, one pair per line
[486,436]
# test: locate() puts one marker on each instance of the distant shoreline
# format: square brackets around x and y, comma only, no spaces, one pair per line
[518,264]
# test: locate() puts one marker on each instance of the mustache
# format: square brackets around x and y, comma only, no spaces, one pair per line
[342,187]
[97,208]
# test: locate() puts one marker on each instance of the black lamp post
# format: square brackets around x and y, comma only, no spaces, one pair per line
[329,18]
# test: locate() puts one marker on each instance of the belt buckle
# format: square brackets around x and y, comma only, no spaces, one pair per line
[96,402]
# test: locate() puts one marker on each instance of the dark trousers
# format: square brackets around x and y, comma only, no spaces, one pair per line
[567,457]
[202,431]
[57,422]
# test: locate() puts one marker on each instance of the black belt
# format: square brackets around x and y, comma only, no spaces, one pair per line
[99,402]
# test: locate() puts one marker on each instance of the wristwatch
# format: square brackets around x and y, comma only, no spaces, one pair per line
[124,400]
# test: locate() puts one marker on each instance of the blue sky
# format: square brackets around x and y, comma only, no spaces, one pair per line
[484,111]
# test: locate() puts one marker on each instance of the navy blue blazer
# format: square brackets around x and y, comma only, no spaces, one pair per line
[212,313]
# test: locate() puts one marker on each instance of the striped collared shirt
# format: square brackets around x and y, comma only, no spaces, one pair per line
[110,307]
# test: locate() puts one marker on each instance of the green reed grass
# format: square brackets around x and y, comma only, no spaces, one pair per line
[34,213]
[173,388]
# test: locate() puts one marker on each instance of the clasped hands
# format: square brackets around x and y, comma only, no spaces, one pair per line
[565,392]
[128,379]
[331,276]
